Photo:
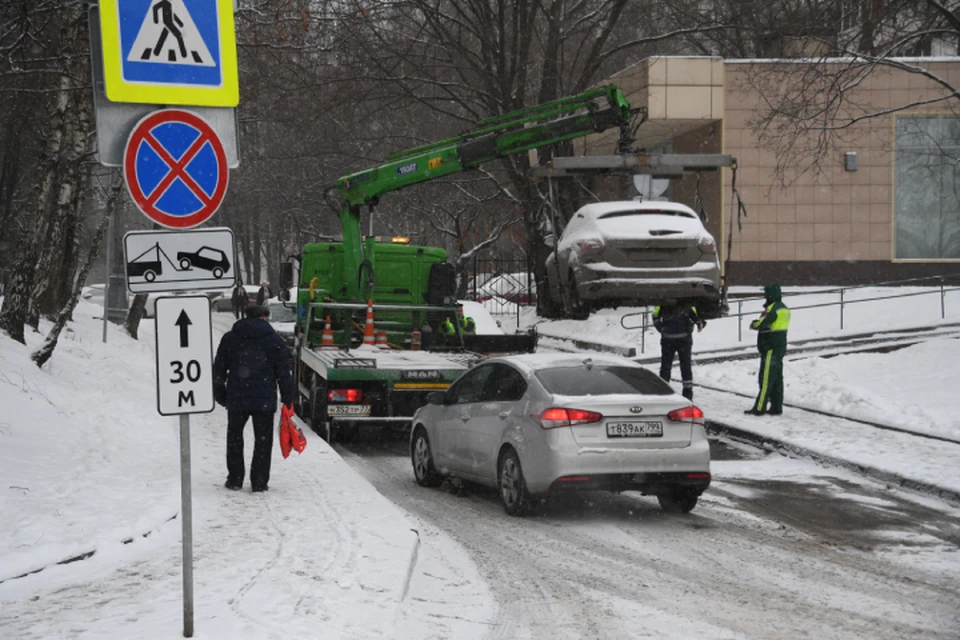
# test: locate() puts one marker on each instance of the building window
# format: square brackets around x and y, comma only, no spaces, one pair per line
[926,209]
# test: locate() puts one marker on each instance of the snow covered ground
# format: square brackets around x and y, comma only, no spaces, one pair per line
[88,469]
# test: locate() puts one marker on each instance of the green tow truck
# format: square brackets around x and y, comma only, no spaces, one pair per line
[343,382]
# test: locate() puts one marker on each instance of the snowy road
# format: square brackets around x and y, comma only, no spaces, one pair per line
[796,552]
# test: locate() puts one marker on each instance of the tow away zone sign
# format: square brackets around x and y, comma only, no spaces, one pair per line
[184,355]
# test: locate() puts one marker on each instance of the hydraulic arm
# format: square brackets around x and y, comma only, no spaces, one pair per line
[590,112]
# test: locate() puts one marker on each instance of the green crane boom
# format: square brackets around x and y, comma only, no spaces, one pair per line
[497,137]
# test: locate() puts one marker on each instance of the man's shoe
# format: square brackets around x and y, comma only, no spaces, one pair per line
[753,412]
[260,489]
[775,413]
[233,486]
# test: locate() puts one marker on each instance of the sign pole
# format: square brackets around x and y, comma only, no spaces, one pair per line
[107,271]
[186,511]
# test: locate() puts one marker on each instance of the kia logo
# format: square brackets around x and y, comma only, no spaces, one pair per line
[636,409]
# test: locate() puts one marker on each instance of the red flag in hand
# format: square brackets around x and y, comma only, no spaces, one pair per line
[285,442]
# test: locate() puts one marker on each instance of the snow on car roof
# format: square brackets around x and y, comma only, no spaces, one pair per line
[600,209]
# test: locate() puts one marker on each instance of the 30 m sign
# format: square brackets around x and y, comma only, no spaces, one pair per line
[184,355]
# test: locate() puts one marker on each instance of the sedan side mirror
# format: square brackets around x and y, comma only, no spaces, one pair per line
[436,397]
[550,240]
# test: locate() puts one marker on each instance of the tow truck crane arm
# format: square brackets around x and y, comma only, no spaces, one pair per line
[497,137]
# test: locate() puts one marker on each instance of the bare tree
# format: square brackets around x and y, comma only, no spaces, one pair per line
[54,48]
[808,110]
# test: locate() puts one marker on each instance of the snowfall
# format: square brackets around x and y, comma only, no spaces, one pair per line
[90,479]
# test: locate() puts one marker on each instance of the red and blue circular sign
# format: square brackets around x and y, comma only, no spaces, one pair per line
[176,168]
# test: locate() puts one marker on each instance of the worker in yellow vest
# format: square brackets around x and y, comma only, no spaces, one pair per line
[771,328]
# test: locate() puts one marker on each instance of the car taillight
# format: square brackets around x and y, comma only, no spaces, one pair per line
[685,414]
[589,247]
[707,245]
[345,395]
[557,417]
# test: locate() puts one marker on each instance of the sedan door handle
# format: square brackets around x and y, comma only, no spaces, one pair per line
[504,415]
[465,417]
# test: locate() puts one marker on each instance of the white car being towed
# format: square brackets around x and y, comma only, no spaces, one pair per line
[534,424]
[633,252]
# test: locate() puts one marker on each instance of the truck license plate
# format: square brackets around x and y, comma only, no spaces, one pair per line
[348,410]
[634,429]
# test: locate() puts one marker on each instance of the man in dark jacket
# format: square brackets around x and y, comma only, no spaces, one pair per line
[771,328]
[238,299]
[251,363]
[263,294]
[675,324]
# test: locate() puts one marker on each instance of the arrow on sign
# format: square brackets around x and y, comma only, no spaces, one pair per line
[183,322]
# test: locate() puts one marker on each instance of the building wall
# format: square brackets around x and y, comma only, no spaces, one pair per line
[832,227]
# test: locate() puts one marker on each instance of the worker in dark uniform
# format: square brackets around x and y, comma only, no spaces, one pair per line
[771,328]
[675,324]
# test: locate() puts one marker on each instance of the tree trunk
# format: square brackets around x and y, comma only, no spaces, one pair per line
[18,306]
[54,267]
[41,355]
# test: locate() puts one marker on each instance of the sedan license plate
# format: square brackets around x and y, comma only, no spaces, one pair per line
[634,429]
[348,410]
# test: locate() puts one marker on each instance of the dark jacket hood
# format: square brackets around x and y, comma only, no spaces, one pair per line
[251,328]
[772,292]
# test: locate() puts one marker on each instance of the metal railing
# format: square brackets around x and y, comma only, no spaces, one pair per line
[842,303]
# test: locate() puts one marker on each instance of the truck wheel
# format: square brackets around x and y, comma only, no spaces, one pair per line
[512,486]
[149,276]
[678,500]
[217,272]
[422,458]
[184,264]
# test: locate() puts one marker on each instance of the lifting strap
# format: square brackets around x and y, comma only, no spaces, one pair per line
[741,213]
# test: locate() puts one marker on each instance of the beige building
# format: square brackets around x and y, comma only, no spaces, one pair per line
[884,203]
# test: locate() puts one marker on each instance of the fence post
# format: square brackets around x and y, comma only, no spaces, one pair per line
[739,320]
[943,295]
[643,333]
[841,309]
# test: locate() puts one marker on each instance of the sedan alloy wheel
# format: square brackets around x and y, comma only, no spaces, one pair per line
[513,488]
[422,459]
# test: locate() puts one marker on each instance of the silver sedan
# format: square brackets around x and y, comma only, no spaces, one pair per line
[535,424]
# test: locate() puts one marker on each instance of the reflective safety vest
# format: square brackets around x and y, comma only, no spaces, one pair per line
[447,328]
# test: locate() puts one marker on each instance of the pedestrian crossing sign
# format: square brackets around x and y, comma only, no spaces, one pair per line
[170,52]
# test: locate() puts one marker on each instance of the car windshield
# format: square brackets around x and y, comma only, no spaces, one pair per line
[600,380]
[280,313]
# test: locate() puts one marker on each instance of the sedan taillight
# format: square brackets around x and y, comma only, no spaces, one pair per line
[686,414]
[558,417]
[707,245]
[589,247]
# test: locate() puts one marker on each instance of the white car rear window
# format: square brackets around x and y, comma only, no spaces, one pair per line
[600,380]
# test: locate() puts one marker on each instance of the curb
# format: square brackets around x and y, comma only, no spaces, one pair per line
[715,428]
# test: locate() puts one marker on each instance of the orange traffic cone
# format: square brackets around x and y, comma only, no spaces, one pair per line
[368,333]
[382,340]
[326,337]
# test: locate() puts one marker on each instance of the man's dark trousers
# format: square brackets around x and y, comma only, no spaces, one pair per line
[683,348]
[262,447]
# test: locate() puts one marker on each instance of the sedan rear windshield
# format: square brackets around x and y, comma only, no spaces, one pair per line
[645,212]
[602,380]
